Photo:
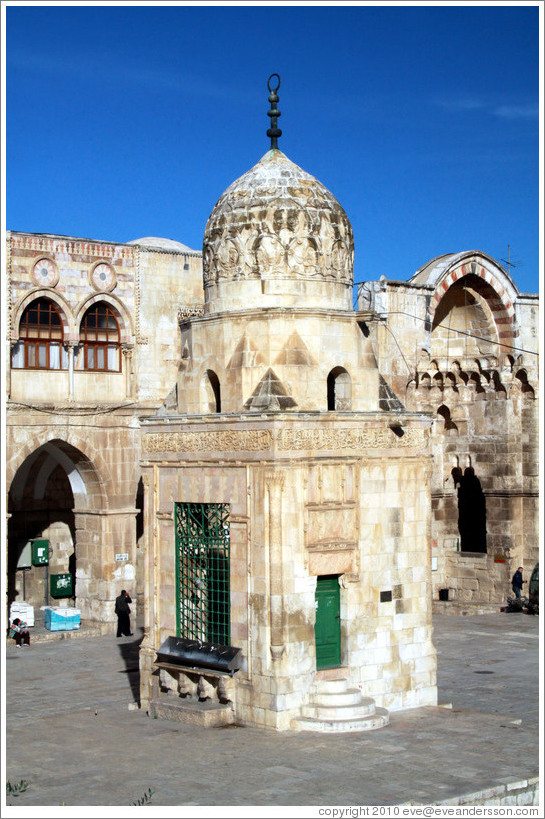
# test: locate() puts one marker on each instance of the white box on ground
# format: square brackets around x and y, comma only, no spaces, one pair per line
[24,611]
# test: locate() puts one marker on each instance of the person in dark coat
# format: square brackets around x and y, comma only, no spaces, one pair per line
[517,582]
[123,610]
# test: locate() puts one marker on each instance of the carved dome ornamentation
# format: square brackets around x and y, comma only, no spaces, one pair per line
[277,223]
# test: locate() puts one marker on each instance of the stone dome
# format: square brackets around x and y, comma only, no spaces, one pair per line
[277,238]
[158,243]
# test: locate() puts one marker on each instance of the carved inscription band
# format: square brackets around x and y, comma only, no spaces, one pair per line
[287,440]
[233,441]
[372,438]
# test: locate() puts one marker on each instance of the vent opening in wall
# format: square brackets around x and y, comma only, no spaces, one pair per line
[386,596]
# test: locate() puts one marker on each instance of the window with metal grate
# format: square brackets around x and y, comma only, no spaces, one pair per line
[202,572]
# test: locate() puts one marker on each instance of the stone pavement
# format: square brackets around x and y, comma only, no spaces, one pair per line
[73,732]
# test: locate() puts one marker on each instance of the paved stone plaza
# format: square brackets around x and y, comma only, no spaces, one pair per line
[73,733]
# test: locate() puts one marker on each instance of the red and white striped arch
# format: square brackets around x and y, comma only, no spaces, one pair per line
[501,304]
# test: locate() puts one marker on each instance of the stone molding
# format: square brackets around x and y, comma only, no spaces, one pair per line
[57,244]
[277,479]
[9,286]
[140,339]
[257,440]
[332,546]
[186,311]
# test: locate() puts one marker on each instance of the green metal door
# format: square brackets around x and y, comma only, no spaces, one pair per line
[328,622]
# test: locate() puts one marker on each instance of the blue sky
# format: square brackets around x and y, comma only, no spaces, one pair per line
[127,121]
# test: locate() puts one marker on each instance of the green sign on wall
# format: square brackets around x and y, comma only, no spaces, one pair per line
[60,585]
[40,552]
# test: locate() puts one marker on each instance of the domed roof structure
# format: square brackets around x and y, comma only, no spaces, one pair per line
[280,228]
[158,243]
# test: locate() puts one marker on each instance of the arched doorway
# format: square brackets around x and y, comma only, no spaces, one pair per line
[49,492]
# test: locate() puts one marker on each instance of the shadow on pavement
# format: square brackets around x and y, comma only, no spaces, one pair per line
[130,652]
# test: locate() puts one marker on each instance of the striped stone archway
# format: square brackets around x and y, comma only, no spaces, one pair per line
[498,292]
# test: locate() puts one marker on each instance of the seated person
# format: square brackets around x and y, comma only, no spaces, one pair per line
[19,630]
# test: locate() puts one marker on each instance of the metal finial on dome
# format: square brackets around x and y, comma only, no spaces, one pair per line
[273,132]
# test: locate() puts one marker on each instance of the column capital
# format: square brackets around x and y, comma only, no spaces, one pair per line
[275,479]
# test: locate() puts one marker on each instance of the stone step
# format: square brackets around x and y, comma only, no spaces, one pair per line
[335,708]
[352,696]
[206,714]
[335,686]
[364,708]
[379,719]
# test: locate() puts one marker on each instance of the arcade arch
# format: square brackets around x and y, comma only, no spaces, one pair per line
[51,495]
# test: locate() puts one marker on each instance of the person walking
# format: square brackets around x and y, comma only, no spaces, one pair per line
[20,632]
[517,582]
[123,610]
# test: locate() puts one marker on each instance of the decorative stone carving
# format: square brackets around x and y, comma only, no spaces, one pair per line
[270,395]
[189,310]
[302,256]
[246,354]
[227,255]
[295,353]
[269,253]
[277,479]
[258,440]
[236,440]
[277,220]
[371,438]
[332,546]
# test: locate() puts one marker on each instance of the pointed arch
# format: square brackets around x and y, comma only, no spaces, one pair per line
[124,318]
[41,342]
[99,339]
[483,280]
[65,311]
[37,463]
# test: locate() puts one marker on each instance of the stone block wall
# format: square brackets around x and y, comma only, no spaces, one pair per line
[87,422]
[434,350]
[363,516]
[296,350]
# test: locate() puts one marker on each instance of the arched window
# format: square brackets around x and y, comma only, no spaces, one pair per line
[99,339]
[211,392]
[339,390]
[40,345]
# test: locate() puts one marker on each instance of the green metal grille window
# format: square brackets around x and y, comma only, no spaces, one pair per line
[202,569]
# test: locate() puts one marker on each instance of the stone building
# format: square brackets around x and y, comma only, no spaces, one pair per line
[267,467]
[87,355]
[288,510]
[459,341]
